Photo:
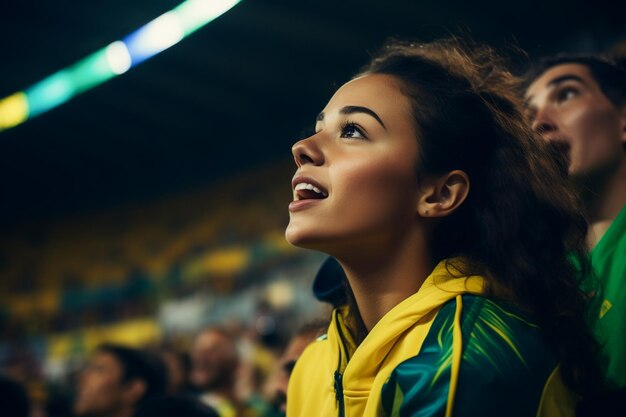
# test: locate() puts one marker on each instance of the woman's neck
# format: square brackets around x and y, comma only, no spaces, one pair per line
[381,280]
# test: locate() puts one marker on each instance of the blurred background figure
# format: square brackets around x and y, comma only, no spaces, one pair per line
[22,367]
[176,406]
[178,366]
[214,364]
[117,381]
[14,400]
[578,104]
[277,386]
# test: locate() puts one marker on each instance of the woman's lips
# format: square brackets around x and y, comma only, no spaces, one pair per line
[298,205]
[307,192]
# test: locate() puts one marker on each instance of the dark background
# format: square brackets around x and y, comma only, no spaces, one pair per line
[230,98]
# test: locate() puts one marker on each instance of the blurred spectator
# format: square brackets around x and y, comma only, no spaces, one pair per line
[22,366]
[178,366]
[13,398]
[176,406]
[578,104]
[117,380]
[278,385]
[214,364]
[58,403]
[265,328]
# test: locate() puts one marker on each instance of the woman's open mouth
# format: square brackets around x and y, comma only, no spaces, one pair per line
[306,191]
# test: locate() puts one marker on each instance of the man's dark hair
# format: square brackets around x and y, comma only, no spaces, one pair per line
[137,364]
[610,76]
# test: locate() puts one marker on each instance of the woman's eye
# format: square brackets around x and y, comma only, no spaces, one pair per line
[566,94]
[351,130]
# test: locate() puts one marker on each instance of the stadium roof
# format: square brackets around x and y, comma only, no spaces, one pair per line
[232,96]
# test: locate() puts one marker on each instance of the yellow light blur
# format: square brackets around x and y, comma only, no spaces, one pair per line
[13,110]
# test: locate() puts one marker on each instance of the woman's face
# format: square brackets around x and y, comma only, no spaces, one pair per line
[355,185]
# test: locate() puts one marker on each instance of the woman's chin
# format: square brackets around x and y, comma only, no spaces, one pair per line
[304,239]
[296,237]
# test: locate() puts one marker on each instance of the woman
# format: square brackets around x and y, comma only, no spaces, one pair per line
[456,234]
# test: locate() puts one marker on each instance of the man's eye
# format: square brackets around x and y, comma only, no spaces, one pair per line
[567,94]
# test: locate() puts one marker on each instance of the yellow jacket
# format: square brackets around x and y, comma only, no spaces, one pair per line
[443,351]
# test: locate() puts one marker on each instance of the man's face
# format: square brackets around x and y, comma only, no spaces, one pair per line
[213,360]
[287,362]
[100,388]
[568,108]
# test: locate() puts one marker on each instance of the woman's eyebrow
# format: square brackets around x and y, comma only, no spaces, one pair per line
[360,109]
[355,109]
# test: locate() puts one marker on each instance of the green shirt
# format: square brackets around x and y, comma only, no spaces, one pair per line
[608,259]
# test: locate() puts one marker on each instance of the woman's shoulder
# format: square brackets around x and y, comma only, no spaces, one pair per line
[495,334]
[497,341]
[502,352]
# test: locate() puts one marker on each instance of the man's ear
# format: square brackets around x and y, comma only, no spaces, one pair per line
[136,388]
[442,195]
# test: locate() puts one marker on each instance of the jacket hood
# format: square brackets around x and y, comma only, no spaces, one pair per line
[445,283]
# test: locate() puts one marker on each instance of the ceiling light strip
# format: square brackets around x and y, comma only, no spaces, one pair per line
[111,61]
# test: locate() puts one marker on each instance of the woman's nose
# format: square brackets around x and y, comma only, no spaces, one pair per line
[307,151]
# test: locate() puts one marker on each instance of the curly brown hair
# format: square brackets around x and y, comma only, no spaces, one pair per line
[522,225]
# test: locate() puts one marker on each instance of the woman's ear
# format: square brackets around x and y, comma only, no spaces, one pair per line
[442,195]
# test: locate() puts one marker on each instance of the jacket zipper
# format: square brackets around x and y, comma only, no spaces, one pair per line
[338,375]
[339,393]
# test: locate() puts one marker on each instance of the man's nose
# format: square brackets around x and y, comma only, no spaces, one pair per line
[543,123]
